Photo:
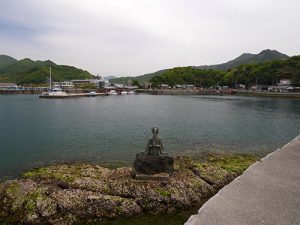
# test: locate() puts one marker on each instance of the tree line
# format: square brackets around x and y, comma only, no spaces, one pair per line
[267,73]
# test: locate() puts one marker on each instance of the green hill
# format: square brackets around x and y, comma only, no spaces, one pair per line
[264,73]
[263,56]
[27,71]
[141,79]
[6,61]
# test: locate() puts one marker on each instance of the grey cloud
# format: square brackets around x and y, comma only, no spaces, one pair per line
[132,37]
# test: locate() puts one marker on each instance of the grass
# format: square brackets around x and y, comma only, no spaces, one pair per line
[162,192]
[235,163]
[67,174]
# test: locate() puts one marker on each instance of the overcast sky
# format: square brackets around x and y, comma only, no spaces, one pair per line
[133,37]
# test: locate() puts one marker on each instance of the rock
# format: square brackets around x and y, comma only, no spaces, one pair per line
[152,164]
[75,194]
[155,177]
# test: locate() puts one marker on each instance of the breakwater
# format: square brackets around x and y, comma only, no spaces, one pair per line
[267,193]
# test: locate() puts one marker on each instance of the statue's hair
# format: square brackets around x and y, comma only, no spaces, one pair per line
[155,130]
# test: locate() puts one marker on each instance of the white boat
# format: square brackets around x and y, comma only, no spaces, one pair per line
[112,92]
[131,92]
[92,94]
[124,93]
[56,91]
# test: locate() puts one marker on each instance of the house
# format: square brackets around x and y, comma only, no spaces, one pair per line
[284,86]
[259,88]
[241,87]
[119,87]
[284,82]
[64,85]
[98,82]
[190,86]
[8,86]
[164,86]
[178,86]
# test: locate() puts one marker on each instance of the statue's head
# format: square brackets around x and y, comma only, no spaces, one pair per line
[155,130]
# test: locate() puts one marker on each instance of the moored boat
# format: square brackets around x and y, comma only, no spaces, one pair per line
[54,92]
[131,92]
[112,92]
[92,94]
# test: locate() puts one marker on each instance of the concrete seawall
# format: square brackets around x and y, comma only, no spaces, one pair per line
[267,193]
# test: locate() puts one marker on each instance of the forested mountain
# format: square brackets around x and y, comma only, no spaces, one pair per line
[266,73]
[246,58]
[27,71]
[5,61]
[141,79]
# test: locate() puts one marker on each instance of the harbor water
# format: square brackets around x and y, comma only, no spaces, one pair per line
[111,130]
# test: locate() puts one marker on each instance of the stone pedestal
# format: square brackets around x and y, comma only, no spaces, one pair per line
[153,167]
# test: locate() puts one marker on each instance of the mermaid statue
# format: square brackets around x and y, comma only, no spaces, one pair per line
[154,145]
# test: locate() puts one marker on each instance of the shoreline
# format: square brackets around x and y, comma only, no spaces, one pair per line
[178,92]
[84,191]
[219,93]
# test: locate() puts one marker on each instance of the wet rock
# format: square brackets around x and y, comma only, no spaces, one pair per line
[153,164]
[72,194]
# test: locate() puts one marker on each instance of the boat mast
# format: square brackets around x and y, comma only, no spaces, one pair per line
[50,78]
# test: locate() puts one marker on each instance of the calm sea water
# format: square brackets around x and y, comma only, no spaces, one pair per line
[36,132]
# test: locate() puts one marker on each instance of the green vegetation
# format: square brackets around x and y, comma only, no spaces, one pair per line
[267,73]
[246,58]
[189,75]
[141,79]
[162,192]
[6,61]
[27,71]
[64,174]
[31,199]
[235,163]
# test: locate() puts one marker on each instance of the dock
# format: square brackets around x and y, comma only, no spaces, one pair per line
[72,95]
[267,193]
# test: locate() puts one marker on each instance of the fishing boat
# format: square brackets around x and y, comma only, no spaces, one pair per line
[124,93]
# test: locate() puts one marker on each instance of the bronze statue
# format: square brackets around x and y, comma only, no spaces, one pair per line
[153,161]
[154,145]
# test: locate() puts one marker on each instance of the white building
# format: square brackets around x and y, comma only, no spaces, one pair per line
[64,84]
[284,82]
[8,86]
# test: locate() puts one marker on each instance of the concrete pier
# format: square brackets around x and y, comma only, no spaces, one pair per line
[72,95]
[267,193]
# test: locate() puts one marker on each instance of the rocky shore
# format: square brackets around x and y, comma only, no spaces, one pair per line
[83,193]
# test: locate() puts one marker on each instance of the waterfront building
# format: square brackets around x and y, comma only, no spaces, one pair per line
[284,85]
[64,85]
[285,82]
[100,83]
[8,86]
[164,86]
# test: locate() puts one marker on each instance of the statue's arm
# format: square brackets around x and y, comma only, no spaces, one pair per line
[147,147]
[161,147]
